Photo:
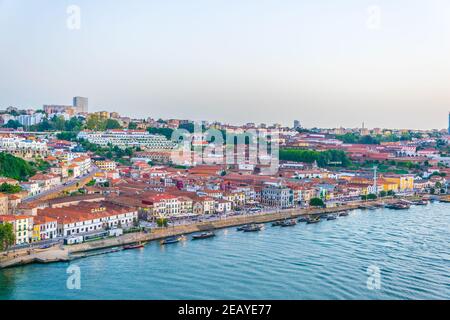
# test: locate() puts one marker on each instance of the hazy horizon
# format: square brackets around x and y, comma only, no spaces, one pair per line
[326,64]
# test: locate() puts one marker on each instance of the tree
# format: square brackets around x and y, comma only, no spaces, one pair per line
[324,158]
[162,222]
[316,202]
[166,132]
[112,124]
[90,183]
[59,123]
[13,124]
[96,123]
[7,236]
[14,167]
[371,196]
[383,194]
[9,188]
[132,126]
[69,136]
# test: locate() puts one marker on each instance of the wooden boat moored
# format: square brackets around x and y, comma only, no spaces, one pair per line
[134,246]
[288,223]
[253,228]
[313,220]
[203,235]
[170,240]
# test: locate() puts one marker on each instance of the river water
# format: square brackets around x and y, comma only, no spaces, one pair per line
[380,254]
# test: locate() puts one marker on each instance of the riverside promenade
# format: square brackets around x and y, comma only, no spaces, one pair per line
[61,253]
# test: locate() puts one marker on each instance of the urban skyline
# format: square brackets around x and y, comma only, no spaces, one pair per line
[330,65]
[81,105]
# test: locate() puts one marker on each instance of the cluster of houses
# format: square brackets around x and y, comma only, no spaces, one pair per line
[69,218]
[122,195]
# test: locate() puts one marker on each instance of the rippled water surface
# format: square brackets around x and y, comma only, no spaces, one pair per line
[328,260]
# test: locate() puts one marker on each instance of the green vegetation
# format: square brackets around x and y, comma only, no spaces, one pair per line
[13,124]
[110,152]
[324,158]
[67,135]
[132,126]
[10,188]
[90,183]
[316,202]
[356,138]
[40,165]
[166,132]
[97,123]
[7,236]
[370,196]
[15,168]
[162,222]
[75,124]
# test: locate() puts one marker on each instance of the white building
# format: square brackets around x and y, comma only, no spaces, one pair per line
[128,138]
[23,147]
[31,187]
[48,227]
[223,206]
[30,120]
[87,217]
[276,195]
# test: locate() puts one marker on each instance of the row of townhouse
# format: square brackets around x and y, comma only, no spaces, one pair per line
[89,217]
[169,205]
[52,223]
[23,147]
[31,229]
[128,138]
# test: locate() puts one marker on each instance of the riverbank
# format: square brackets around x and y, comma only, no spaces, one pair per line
[67,253]
[328,260]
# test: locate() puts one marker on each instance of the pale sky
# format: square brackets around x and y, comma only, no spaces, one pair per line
[326,63]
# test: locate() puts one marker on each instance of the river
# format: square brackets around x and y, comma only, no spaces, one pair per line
[379,254]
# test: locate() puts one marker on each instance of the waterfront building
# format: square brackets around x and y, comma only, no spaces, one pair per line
[223,206]
[21,225]
[88,217]
[44,228]
[163,205]
[277,195]
[128,138]
[203,205]
[404,182]
[186,205]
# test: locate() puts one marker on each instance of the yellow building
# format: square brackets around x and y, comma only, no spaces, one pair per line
[36,233]
[404,182]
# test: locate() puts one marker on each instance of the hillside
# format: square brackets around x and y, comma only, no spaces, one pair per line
[14,167]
